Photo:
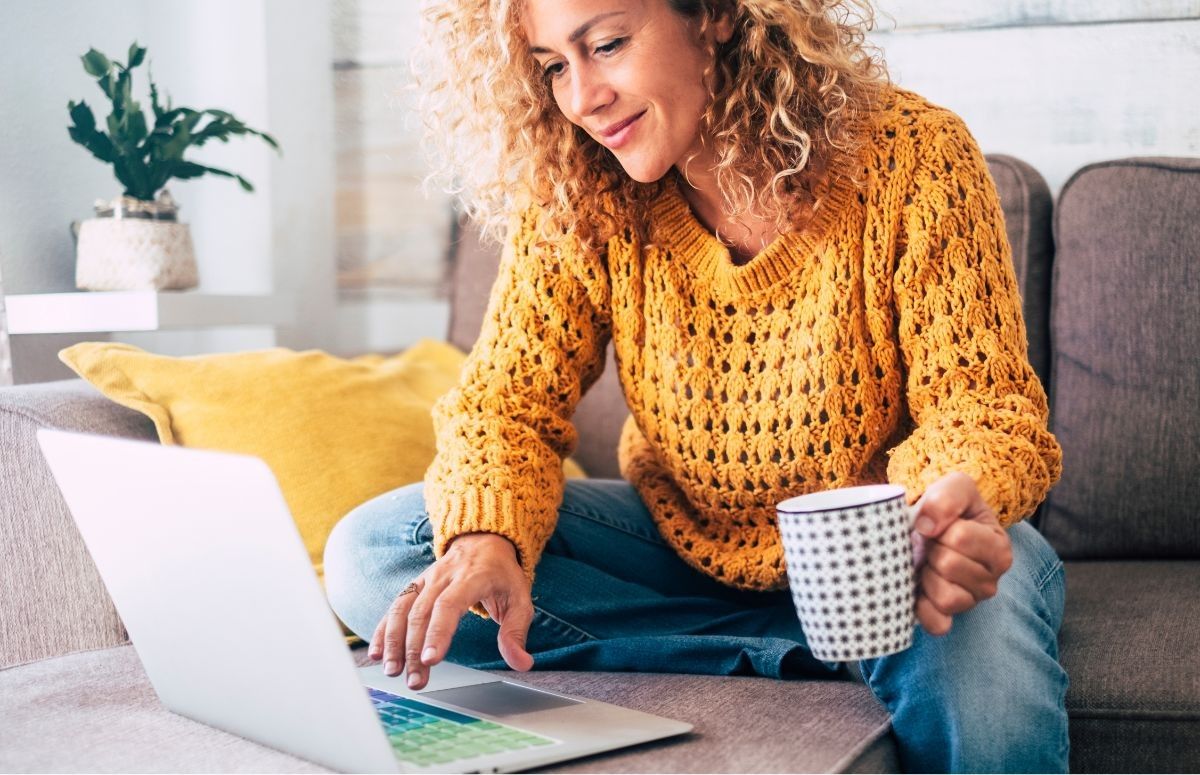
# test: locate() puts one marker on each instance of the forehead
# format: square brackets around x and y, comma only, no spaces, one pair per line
[553,23]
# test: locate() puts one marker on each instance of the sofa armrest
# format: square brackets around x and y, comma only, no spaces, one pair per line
[53,600]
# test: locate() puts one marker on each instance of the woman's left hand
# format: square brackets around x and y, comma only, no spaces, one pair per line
[961,551]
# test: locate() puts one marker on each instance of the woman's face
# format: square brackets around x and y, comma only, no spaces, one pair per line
[630,73]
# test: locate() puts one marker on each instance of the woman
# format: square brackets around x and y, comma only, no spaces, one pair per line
[804,274]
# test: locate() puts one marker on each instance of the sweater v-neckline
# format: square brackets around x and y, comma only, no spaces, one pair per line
[680,231]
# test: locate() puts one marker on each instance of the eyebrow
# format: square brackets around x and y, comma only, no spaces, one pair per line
[579,32]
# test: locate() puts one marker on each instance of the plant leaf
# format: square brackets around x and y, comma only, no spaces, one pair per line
[167,116]
[102,148]
[82,115]
[124,98]
[136,55]
[158,110]
[269,140]
[136,123]
[180,139]
[187,169]
[191,118]
[123,179]
[96,142]
[134,174]
[96,63]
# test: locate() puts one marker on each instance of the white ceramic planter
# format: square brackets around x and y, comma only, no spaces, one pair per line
[134,254]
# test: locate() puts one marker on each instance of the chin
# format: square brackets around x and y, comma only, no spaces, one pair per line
[644,172]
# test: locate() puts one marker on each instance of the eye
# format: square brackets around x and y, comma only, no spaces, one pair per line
[611,46]
[553,71]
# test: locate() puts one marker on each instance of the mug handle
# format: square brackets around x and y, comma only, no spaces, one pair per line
[911,511]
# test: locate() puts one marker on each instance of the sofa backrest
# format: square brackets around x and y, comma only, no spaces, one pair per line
[52,600]
[598,419]
[1125,381]
[600,414]
[1027,204]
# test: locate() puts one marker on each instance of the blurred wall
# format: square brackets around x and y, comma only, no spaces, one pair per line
[392,241]
[1058,83]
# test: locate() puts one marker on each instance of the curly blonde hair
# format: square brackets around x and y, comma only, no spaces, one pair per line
[789,88]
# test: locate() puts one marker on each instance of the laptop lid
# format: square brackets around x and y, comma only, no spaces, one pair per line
[161,522]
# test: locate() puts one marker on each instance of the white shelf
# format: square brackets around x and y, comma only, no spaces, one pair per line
[96,311]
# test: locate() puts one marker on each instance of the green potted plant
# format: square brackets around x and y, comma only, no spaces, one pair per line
[135,242]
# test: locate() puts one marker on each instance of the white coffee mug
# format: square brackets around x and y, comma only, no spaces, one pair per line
[850,565]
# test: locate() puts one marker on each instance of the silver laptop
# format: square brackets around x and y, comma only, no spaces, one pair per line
[208,572]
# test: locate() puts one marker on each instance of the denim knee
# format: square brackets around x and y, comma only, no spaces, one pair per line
[990,694]
[373,552]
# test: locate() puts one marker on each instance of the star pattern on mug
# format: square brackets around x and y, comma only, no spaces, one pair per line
[853,600]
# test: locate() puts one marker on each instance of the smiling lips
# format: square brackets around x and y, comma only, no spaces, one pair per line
[616,134]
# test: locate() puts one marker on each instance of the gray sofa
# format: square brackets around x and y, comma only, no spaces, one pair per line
[1111,314]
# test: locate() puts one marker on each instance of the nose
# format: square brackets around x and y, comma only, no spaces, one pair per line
[590,91]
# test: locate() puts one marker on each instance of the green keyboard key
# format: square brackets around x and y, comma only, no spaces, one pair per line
[487,748]
[513,745]
[426,735]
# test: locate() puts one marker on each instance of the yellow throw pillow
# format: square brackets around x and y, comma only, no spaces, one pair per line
[335,432]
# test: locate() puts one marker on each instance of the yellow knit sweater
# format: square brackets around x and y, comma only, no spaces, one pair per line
[884,342]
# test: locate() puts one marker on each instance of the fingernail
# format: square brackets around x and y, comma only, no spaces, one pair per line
[428,654]
[924,526]
[412,680]
[392,667]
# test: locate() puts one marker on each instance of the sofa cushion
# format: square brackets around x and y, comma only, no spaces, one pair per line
[1125,398]
[1027,205]
[742,724]
[53,600]
[1130,638]
[97,712]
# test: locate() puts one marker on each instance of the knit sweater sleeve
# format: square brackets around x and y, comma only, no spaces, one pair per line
[503,431]
[977,405]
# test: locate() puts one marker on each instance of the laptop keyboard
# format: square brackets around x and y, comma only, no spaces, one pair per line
[424,734]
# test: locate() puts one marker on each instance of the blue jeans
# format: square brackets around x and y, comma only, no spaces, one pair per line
[609,594]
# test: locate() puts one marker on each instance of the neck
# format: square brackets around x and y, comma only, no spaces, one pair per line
[745,235]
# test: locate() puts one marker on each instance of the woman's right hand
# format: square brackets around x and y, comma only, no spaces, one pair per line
[476,568]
